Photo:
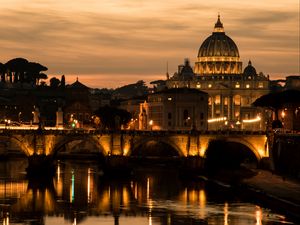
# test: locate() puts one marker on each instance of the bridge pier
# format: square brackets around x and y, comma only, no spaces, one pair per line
[193,165]
[117,165]
[40,166]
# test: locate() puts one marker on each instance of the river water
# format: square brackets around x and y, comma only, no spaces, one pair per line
[80,194]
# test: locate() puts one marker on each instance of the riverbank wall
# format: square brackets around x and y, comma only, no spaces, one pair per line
[285,154]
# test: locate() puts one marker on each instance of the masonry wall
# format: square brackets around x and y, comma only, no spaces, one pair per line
[286,154]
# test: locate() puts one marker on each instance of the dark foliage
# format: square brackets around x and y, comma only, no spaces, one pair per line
[112,118]
[63,81]
[54,82]
[277,100]
[20,70]
[137,89]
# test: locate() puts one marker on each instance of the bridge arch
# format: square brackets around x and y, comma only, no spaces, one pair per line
[58,147]
[230,153]
[23,145]
[149,143]
[245,142]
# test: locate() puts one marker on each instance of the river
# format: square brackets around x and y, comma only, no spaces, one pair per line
[80,194]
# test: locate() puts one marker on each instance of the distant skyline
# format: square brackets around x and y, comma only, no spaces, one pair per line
[110,43]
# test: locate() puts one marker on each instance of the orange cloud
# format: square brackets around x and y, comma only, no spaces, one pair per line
[108,39]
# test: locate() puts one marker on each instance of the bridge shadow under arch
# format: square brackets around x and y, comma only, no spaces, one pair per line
[225,154]
[19,147]
[155,149]
[82,147]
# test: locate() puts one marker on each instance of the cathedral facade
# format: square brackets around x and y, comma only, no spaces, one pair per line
[231,89]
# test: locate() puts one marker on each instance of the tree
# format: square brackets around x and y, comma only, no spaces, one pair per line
[2,72]
[34,72]
[112,118]
[131,90]
[63,81]
[54,82]
[16,68]
[276,100]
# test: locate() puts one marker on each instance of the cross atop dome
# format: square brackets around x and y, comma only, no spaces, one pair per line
[219,26]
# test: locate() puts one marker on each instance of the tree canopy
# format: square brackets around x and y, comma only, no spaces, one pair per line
[137,89]
[54,82]
[113,118]
[277,100]
[20,70]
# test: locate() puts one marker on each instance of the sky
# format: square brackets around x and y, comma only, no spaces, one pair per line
[110,43]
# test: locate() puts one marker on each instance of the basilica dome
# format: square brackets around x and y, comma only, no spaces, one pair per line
[218,54]
[218,44]
[250,70]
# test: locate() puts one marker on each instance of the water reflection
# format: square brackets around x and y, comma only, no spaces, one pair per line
[78,194]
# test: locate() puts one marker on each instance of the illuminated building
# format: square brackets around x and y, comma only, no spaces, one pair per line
[218,71]
[174,109]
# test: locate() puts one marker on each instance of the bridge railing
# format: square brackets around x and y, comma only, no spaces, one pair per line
[127,132]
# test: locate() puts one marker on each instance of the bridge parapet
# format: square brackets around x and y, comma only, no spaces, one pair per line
[123,142]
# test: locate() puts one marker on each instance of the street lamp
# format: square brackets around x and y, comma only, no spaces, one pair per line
[283,114]
[7,123]
[19,116]
[151,124]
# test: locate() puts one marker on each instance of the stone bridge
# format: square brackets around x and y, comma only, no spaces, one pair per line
[126,143]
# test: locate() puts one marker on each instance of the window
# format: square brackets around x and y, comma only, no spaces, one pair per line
[225,101]
[237,100]
[169,115]
[169,99]
[209,101]
[217,99]
[169,123]
[260,85]
[209,85]
[237,85]
[247,85]
[198,85]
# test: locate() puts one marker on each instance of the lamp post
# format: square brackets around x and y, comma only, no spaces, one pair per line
[19,117]
[7,123]
[151,124]
[282,118]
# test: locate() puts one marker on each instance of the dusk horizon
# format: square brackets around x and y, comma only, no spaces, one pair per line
[111,44]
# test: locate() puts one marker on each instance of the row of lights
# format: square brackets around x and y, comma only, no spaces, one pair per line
[220,119]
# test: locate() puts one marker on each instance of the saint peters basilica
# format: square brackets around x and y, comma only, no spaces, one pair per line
[219,72]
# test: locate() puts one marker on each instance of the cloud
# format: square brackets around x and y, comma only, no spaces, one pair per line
[139,37]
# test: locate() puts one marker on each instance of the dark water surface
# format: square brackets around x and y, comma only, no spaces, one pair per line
[79,194]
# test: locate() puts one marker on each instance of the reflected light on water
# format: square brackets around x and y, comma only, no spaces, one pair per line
[258,216]
[226,214]
[59,181]
[74,221]
[169,219]
[89,195]
[148,188]
[150,219]
[148,199]
[72,187]
[202,203]
[6,219]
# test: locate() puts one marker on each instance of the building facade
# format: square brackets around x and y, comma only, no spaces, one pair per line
[218,71]
[174,109]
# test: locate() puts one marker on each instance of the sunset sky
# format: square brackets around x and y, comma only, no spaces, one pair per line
[110,43]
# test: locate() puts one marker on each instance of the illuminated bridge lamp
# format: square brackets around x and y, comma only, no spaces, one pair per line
[151,124]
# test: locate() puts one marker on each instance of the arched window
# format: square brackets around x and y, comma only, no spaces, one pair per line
[237,100]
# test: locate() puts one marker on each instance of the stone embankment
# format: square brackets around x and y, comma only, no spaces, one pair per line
[282,193]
